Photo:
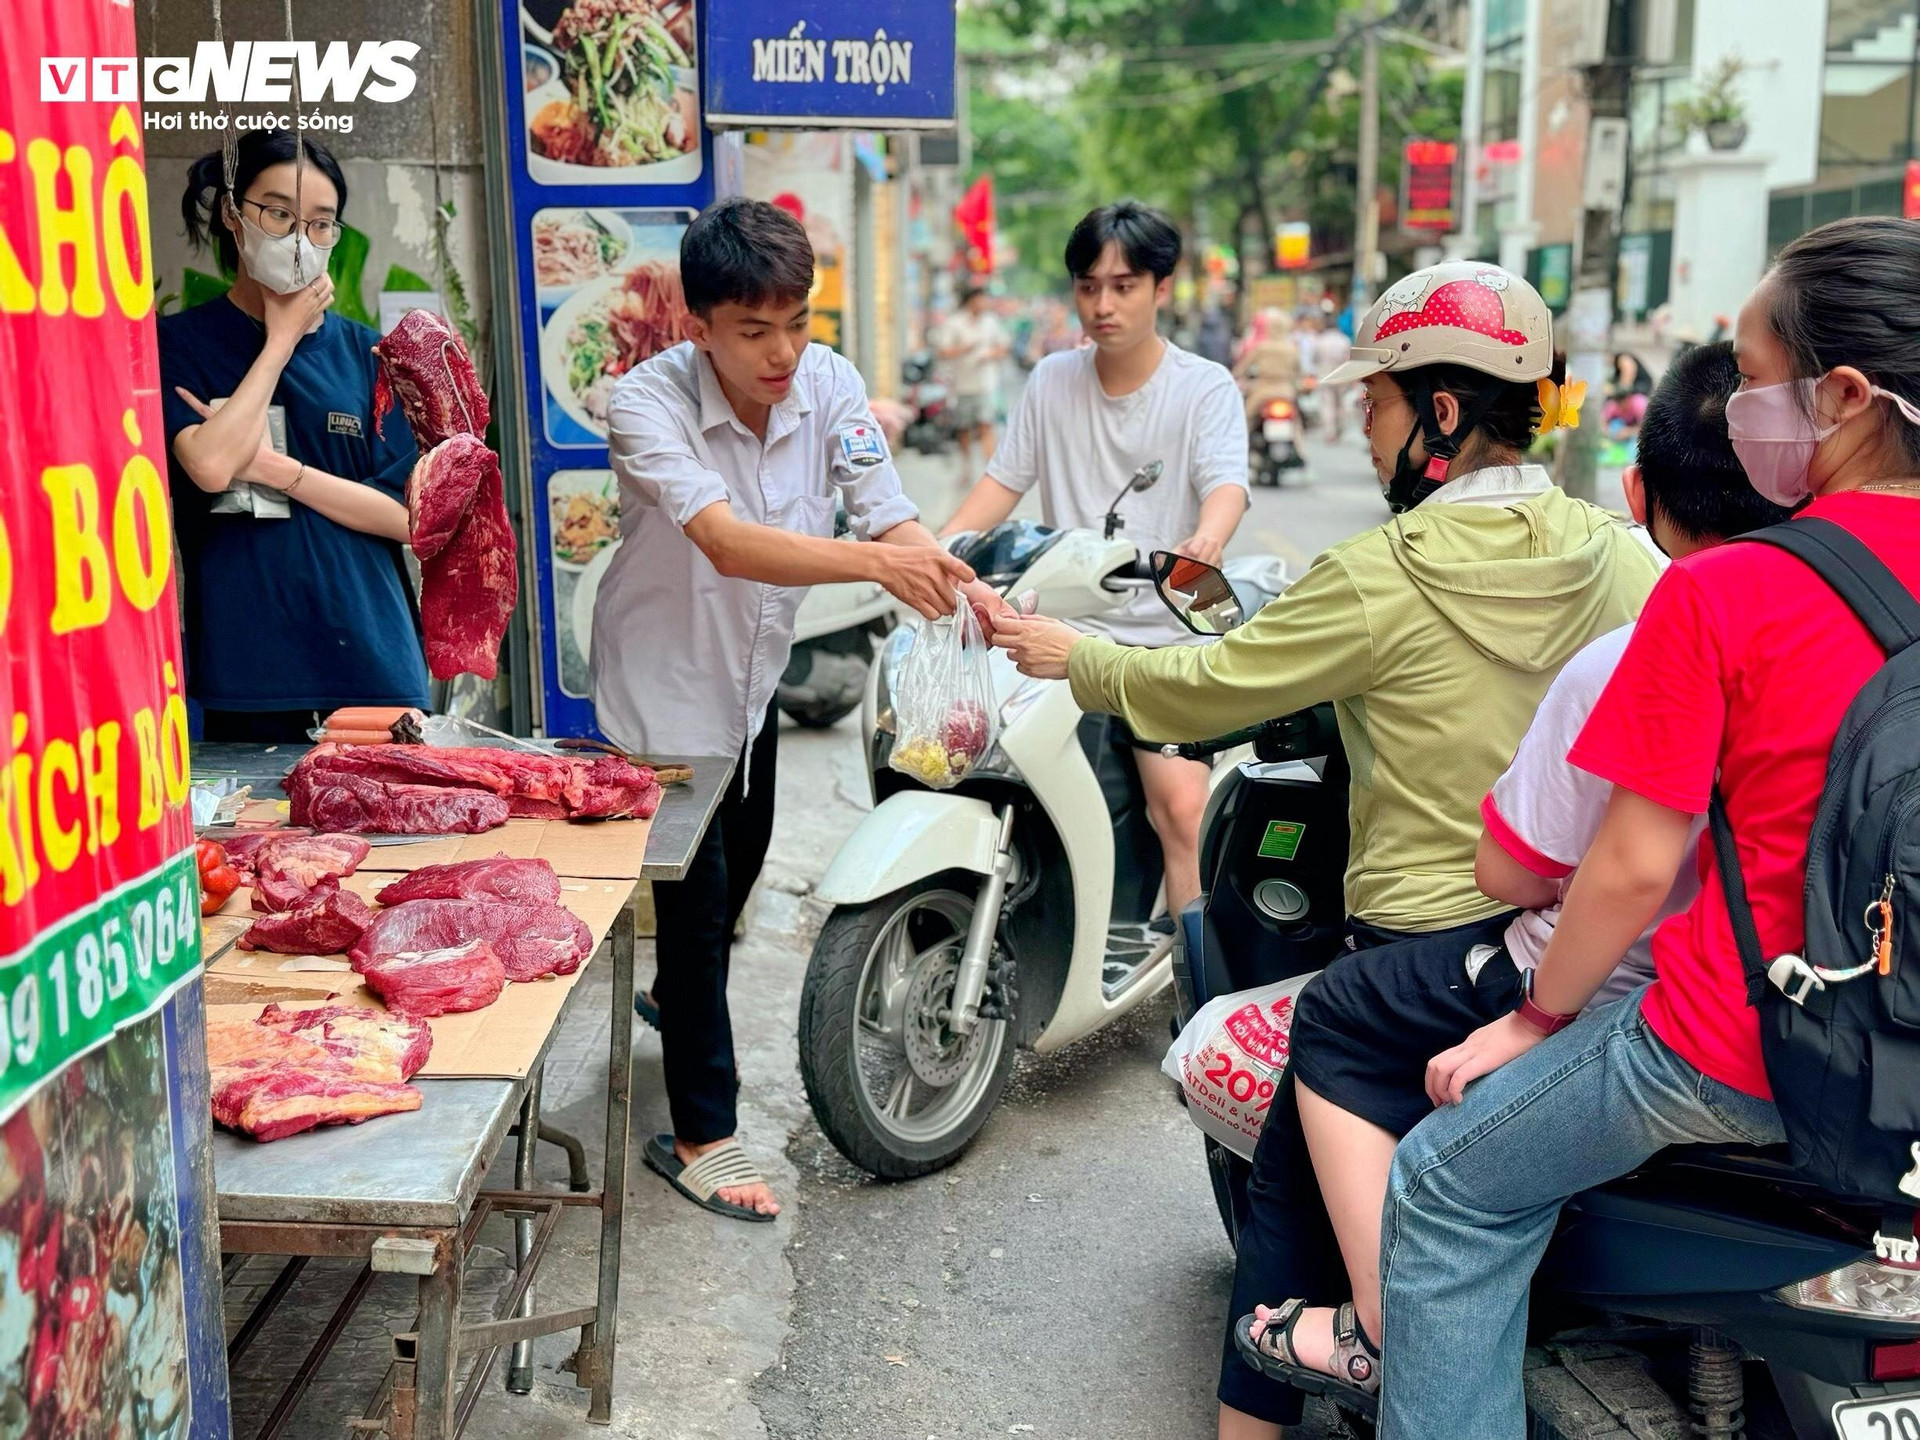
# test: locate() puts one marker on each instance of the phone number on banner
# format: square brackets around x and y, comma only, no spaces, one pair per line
[96,973]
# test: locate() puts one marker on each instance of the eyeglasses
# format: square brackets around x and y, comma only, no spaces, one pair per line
[1368,405]
[279,222]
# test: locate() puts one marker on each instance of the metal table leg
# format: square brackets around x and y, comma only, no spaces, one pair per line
[438,1350]
[597,1339]
[520,1361]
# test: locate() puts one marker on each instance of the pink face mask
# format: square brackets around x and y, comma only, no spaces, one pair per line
[1775,435]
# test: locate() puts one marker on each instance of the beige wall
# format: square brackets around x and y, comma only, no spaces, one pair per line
[1562,117]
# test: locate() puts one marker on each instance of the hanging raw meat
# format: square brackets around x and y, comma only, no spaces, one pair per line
[467,976]
[469,569]
[329,923]
[532,940]
[499,878]
[425,365]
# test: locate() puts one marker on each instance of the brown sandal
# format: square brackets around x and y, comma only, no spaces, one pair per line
[1356,1387]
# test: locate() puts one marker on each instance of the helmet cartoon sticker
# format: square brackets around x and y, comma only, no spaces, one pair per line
[1464,304]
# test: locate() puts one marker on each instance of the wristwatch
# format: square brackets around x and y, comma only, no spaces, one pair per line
[1534,1017]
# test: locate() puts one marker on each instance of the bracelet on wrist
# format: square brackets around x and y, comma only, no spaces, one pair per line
[299,475]
[1536,1017]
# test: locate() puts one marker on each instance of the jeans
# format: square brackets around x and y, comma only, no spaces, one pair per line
[1476,1190]
[693,925]
[1286,1246]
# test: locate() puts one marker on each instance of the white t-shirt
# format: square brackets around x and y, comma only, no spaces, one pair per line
[972,373]
[1079,445]
[1545,812]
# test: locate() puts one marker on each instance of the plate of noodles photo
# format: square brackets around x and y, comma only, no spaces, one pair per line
[624,104]
[572,247]
[601,331]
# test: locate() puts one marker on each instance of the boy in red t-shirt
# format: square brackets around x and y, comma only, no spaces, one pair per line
[1741,665]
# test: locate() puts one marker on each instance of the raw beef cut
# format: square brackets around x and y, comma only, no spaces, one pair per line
[329,923]
[425,364]
[342,801]
[244,1044]
[287,869]
[289,1071]
[467,976]
[274,1102]
[497,879]
[535,785]
[371,1044]
[532,940]
[243,851]
[469,569]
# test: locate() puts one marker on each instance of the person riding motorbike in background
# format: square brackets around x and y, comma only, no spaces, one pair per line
[1435,634]
[1269,367]
[1735,684]
[1364,1029]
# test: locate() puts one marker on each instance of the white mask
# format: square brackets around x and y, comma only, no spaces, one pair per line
[282,263]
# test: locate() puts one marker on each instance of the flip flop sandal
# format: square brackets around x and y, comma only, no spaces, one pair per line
[647,1008]
[1355,1355]
[723,1167]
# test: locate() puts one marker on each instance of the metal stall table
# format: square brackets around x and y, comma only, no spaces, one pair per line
[403,1195]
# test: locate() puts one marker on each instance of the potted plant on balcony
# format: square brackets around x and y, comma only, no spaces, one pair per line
[1715,108]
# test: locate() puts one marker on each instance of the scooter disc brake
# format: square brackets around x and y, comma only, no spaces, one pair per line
[937,1053]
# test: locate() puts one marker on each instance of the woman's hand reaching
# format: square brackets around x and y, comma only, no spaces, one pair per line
[1039,646]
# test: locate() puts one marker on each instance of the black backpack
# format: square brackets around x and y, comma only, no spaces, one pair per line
[1840,1035]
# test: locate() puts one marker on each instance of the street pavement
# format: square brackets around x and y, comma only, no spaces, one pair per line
[1067,1278]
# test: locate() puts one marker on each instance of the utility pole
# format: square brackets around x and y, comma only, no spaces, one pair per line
[1590,313]
[1366,220]
[1465,240]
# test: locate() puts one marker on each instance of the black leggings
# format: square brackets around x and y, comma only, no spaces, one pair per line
[1370,1022]
[694,920]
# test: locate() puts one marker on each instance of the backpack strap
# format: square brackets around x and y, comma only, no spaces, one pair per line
[1746,935]
[1855,573]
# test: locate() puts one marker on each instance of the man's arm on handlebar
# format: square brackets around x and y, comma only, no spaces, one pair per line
[986,505]
[1310,645]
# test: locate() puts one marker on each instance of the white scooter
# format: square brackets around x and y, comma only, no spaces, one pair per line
[1041,866]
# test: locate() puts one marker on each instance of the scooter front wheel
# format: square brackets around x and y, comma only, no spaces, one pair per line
[897,1089]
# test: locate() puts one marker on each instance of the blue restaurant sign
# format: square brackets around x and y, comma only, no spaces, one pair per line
[826,64]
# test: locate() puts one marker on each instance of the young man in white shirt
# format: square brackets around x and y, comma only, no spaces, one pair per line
[732,449]
[1088,420]
[1365,1029]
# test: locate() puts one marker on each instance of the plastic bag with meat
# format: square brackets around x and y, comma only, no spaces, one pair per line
[425,365]
[943,701]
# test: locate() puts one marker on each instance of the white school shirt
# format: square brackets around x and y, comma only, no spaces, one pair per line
[684,659]
[1080,445]
[1545,812]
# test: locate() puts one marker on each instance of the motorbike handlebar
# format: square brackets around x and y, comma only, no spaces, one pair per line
[1300,734]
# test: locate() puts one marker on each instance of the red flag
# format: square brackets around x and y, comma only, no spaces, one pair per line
[974,216]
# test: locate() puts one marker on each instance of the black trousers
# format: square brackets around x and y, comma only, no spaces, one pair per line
[694,920]
[1362,1034]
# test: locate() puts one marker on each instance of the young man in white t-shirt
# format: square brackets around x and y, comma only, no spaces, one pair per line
[1365,1028]
[1090,418]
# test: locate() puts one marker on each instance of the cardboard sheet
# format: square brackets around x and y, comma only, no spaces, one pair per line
[501,1041]
[598,849]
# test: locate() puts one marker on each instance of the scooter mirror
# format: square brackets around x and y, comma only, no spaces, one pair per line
[1196,592]
[1145,478]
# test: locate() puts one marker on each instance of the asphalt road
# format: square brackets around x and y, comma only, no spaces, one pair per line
[1068,1278]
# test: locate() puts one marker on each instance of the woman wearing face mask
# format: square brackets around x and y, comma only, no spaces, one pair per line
[289,504]
[1741,666]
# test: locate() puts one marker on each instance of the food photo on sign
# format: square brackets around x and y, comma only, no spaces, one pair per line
[583,509]
[612,91]
[608,283]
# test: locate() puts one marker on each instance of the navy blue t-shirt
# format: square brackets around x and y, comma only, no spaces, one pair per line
[297,613]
